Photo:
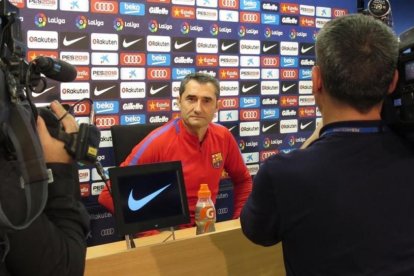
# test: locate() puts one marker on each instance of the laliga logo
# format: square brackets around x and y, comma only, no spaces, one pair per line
[315,33]
[81,22]
[40,20]
[214,29]
[153,26]
[267,32]
[292,34]
[185,28]
[242,31]
[118,24]
[266,143]
[292,141]
[242,144]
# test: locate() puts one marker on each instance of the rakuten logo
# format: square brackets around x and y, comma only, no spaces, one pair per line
[229,88]
[132,90]
[74,91]
[106,139]
[270,87]
[42,40]
[288,126]
[249,129]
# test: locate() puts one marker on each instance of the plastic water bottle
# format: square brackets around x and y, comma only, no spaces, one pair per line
[205,213]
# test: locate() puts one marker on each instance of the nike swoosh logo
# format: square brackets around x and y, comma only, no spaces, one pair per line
[304,50]
[135,204]
[97,92]
[264,129]
[67,42]
[230,129]
[226,47]
[35,95]
[265,48]
[303,126]
[247,89]
[126,44]
[178,46]
[155,91]
[286,88]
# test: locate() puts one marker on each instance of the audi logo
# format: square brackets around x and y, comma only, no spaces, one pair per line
[132,59]
[289,74]
[229,3]
[222,211]
[270,62]
[81,108]
[159,74]
[267,154]
[104,6]
[338,13]
[105,121]
[229,103]
[107,232]
[250,17]
[249,114]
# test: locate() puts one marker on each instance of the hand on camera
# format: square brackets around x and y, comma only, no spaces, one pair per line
[53,149]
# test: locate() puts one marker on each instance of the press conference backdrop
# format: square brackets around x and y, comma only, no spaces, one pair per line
[131,56]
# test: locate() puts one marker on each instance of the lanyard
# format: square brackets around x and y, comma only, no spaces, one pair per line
[334,130]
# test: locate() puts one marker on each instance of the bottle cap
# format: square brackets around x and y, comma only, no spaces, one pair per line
[204,191]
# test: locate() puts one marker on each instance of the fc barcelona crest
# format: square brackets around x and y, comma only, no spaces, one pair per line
[216,160]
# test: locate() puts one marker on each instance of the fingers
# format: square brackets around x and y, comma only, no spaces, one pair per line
[67,120]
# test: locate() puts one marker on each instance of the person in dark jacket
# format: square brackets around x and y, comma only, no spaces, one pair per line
[343,205]
[55,242]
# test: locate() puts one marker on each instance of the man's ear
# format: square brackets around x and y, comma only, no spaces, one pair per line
[316,80]
[393,83]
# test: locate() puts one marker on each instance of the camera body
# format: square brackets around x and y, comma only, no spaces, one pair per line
[398,109]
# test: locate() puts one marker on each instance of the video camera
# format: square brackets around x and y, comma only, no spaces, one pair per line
[19,140]
[398,109]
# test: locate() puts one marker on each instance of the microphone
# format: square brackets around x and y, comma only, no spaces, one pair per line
[55,69]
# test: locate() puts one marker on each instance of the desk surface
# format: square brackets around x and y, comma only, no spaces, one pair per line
[224,252]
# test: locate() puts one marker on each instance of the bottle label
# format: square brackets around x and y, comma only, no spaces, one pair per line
[205,220]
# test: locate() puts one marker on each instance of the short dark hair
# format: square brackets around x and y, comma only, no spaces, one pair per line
[357,56]
[200,78]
